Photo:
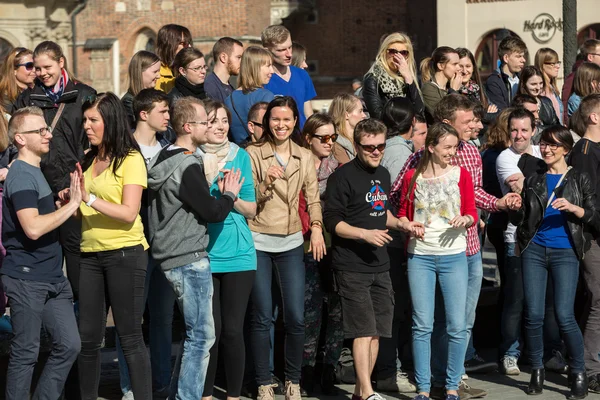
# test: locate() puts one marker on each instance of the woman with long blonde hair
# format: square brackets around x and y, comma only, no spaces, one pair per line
[393,74]
[547,61]
[346,110]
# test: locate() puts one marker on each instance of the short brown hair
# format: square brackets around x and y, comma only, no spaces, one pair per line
[183,111]
[588,47]
[448,106]
[274,35]
[369,127]
[224,45]
[253,112]
[18,118]
[509,45]
[589,104]
[184,58]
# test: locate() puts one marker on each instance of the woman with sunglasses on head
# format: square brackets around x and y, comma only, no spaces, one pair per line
[143,73]
[319,135]
[442,198]
[170,40]
[17,73]
[393,74]
[113,246]
[231,252]
[556,208]
[546,60]
[256,70]
[190,71]
[531,82]
[346,111]
[441,75]
[281,169]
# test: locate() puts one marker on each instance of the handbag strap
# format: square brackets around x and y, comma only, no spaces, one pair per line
[553,195]
[238,115]
[57,116]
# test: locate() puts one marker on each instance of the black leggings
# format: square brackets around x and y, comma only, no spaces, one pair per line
[230,300]
[120,274]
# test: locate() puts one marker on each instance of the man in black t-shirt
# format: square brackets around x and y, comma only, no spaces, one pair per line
[357,214]
[585,157]
[38,292]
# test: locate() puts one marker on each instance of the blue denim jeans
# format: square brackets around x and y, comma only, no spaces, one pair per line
[451,273]
[539,263]
[160,308]
[288,269]
[512,311]
[193,287]
[440,337]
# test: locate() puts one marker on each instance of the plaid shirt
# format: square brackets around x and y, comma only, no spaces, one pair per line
[468,157]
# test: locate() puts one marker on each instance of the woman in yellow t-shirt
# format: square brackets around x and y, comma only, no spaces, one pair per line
[113,246]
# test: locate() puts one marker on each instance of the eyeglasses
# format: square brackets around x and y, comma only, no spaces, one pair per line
[257,124]
[553,64]
[325,138]
[393,52]
[28,65]
[196,69]
[42,131]
[369,148]
[205,123]
[551,146]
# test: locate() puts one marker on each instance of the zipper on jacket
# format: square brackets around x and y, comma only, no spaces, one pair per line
[540,224]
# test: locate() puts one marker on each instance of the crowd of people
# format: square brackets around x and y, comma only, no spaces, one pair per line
[237,205]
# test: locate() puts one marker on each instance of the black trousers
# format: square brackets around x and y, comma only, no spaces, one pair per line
[120,274]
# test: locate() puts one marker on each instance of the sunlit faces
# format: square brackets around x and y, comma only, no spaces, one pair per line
[521,131]
[451,67]
[266,72]
[595,58]
[535,85]
[151,75]
[195,72]
[466,69]
[478,127]
[443,152]
[419,134]
[282,53]
[552,152]
[533,108]
[464,123]
[93,125]
[29,137]
[551,68]
[218,126]
[47,70]
[281,123]
[234,60]
[356,115]
[393,49]
[197,128]
[318,148]
[157,118]
[24,74]
[368,158]
[515,61]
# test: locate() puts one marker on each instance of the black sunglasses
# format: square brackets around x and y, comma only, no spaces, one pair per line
[325,138]
[28,65]
[371,147]
[393,52]
[256,123]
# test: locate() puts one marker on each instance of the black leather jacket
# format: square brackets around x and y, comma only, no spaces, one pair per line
[576,188]
[375,99]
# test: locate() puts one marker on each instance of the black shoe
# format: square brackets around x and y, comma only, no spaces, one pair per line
[536,383]
[579,386]
[307,381]
[594,384]
[328,380]
[280,388]
[479,365]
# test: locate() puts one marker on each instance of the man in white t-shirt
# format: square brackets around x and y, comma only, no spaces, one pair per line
[521,124]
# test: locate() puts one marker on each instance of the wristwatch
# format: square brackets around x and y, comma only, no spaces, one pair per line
[91,200]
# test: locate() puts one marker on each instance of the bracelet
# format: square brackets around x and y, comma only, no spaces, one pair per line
[91,200]
[316,223]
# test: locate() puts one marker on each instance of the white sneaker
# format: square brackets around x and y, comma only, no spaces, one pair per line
[375,396]
[464,377]
[128,396]
[509,365]
[397,383]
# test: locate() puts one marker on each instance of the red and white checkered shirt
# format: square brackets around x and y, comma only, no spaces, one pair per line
[468,157]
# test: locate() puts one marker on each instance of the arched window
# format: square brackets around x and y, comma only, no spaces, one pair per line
[145,40]
[589,32]
[5,48]
[486,55]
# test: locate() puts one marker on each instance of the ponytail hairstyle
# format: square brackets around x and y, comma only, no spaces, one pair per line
[462,53]
[9,89]
[398,115]
[140,62]
[429,65]
[435,134]
[54,52]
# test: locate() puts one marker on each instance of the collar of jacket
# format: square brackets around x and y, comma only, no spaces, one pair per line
[70,93]
[266,151]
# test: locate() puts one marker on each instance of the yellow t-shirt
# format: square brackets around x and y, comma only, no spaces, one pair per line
[102,233]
